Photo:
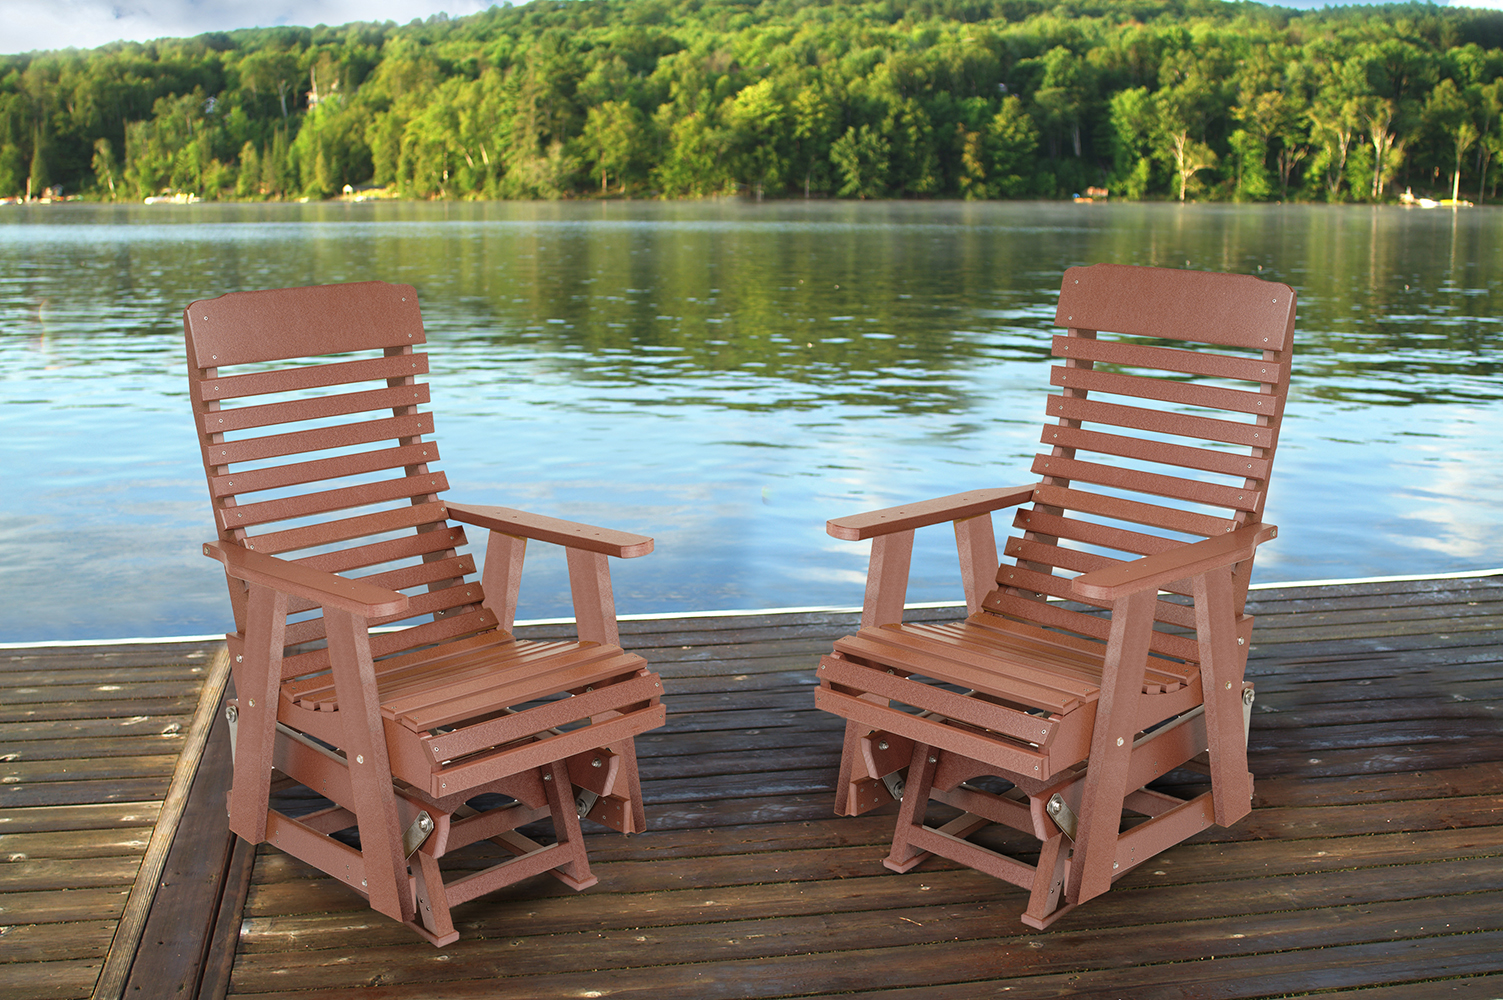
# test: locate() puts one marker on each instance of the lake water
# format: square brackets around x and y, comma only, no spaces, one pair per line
[725,376]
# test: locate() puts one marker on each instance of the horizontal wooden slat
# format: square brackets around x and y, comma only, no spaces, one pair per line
[527,670]
[418,605]
[859,679]
[360,526]
[424,573]
[1054,615]
[1131,511]
[1167,453]
[419,543]
[1091,533]
[1237,310]
[302,377]
[1167,673]
[301,322]
[323,469]
[319,439]
[956,663]
[1138,481]
[1046,554]
[597,667]
[1170,359]
[389,643]
[1211,397]
[1189,425]
[317,408]
[325,501]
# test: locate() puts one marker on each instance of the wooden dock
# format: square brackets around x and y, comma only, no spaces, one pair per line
[1372,865]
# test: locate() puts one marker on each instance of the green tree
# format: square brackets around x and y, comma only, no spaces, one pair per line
[757,123]
[1012,143]
[612,141]
[105,167]
[1134,123]
[861,155]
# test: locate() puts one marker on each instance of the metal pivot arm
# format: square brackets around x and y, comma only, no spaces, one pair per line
[324,589]
[1156,571]
[587,551]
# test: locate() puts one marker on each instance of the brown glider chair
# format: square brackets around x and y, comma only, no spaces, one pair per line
[369,664]
[1109,647]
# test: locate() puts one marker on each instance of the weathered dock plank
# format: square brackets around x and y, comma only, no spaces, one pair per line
[1371,866]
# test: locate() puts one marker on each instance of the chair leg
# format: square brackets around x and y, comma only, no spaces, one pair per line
[1221,670]
[434,921]
[574,870]
[1111,747]
[1048,893]
[905,855]
[849,752]
[636,820]
[370,769]
[258,680]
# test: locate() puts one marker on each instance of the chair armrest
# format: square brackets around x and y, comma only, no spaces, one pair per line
[324,589]
[926,512]
[570,534]
[1191,559]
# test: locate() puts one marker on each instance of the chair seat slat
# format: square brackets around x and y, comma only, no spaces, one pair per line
[321,439]
[1159,670]
[415,684]
[1211,397]
[958,665]
[1167,453]
[1190,425]
[318,408]
[1152,483]
[1169,359]
[337,467]
[584,666]
[313,376]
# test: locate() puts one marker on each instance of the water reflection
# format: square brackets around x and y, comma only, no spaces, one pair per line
[725,376]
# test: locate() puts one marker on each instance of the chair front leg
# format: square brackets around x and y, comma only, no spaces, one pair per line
[1111,746]
[1221,669]
[370,769]
[258,681]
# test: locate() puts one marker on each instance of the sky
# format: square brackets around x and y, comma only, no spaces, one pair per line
[27,25]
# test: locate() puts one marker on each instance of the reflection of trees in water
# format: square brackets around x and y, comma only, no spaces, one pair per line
[898,307]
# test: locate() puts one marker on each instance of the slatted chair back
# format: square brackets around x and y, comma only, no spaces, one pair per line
[314,444]
[1163,431]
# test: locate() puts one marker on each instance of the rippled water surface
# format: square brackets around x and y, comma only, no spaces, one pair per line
[726,376]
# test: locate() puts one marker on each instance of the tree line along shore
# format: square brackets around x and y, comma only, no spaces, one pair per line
[975,99]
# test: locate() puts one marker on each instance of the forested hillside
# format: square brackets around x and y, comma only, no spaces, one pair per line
[1193,99]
